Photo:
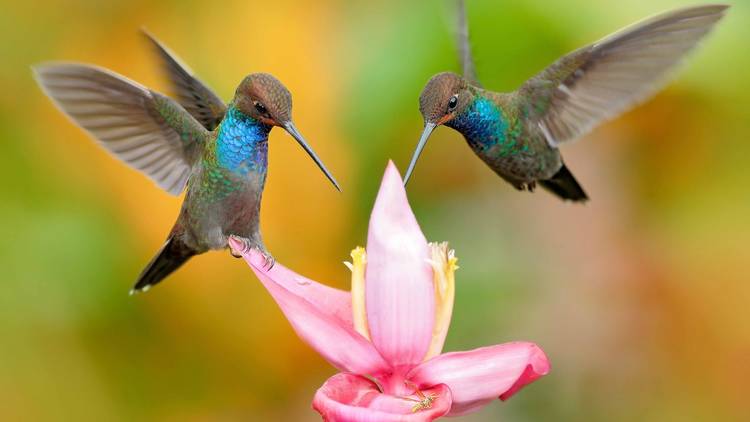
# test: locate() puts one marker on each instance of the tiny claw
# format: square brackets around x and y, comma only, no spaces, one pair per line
[244,244]
[268,261]
[526,186]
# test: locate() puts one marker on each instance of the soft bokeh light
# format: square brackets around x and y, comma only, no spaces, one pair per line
[638,298]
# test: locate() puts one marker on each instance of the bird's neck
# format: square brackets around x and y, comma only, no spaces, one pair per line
[242,143]
[482,123]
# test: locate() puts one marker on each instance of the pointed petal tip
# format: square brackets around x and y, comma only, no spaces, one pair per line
[391,176]
[391,170]
[391,202]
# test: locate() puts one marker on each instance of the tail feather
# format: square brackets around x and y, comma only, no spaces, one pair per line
[564,185]
[169,258]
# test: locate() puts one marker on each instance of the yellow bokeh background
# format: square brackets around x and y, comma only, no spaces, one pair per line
[639,297]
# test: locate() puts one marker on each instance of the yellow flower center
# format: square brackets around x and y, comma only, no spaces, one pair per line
[443,262]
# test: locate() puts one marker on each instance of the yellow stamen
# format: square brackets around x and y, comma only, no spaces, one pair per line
[359,314]
[443,261]
[423,401]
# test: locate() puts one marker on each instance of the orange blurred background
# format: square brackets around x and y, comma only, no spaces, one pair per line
[638,297]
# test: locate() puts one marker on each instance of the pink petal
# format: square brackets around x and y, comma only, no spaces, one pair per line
[400,299]
[315,318]
[479,376]
[352,398]
[336,302]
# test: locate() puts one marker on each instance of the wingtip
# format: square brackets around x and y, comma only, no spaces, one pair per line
[39,72]
[716,9]
[136,290]
[37,69]
[148,35]
[707,9]
[582,201]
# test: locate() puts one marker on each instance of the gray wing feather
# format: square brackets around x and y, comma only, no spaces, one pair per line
[145,129]
[464,46]
[199,100]
[602,80]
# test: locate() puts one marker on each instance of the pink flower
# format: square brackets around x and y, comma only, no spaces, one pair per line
[386,336]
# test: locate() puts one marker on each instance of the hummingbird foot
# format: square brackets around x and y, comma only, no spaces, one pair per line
[528,186]
[246,246]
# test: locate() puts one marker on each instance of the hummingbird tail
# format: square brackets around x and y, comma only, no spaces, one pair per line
[169,258]
[564,185]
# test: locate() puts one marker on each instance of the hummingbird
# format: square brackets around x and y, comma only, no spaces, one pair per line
[217,152]
[518,134]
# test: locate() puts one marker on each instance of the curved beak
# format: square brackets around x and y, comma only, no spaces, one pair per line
[428,128]
[289,127]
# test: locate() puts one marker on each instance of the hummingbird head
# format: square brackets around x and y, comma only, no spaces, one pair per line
[265,99]
[445,96]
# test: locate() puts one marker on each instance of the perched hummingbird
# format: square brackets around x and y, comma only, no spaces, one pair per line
[219,152]
[518,134]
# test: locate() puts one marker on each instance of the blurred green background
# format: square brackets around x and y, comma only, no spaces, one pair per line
[640,297]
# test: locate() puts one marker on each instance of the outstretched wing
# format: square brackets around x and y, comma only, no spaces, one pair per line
[145,129]
[464,46]
[199,100]
[599,81]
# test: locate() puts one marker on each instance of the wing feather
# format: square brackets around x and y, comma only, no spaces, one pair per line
[199,100]
[464,45]
[146,130]
[602,80]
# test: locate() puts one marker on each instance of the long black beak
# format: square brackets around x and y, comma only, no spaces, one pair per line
[289,127]
[428,128]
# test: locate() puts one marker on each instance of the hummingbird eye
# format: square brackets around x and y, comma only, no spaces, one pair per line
[260,107]
[453,102]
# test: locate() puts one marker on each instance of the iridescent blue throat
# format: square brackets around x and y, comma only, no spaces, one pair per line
[242,143]
[482,123]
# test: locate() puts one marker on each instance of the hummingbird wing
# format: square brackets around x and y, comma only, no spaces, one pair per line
[199,100]
[604,79]
[464,46]
[145,129]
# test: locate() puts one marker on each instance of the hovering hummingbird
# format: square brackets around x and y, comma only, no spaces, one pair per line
[220,152]
[518,134]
